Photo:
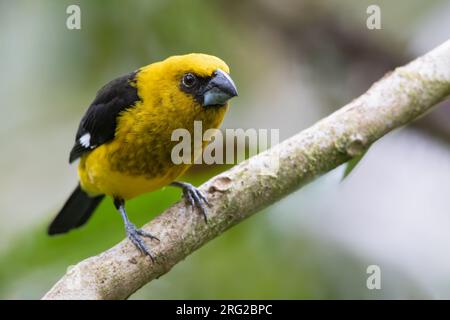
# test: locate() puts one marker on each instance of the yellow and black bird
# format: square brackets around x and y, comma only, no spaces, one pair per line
[124,139]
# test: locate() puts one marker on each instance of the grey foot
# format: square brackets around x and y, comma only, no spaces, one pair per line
[194,197]
[135,235]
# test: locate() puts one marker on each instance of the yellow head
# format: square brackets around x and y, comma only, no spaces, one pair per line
[194,80]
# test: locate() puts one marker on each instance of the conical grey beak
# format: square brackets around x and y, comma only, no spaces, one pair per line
[219,89]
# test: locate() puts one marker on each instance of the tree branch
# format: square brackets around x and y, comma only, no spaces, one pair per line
[395,100]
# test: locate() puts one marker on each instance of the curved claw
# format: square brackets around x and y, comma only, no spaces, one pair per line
[135,235]
[189,199]
[197,199]
[194,197]
[202,196]
[146,234]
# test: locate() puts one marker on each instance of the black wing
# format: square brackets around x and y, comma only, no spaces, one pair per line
[98,125]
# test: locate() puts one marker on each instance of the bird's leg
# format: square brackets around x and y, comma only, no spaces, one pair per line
[133,233]
[194,197]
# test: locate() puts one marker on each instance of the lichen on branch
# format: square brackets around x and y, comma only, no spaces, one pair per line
[396,100]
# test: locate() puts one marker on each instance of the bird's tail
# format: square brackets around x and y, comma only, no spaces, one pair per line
[76,211]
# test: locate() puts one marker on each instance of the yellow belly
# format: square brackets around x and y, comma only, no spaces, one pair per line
[138,160]
[98,177]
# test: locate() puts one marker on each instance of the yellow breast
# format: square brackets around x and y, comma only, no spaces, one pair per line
[138,159]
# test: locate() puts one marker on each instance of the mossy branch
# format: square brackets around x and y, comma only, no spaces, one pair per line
[397,99]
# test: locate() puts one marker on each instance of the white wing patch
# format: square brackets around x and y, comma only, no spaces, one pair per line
[85,140]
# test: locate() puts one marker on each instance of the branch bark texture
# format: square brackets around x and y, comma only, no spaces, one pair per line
[397,99]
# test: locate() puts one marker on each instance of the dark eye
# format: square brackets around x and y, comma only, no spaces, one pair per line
[189,80]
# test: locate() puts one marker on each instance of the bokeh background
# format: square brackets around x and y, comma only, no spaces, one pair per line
[294,62]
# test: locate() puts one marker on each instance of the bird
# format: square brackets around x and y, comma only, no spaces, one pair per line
[123,142]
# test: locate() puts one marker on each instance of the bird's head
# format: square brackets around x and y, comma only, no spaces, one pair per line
[193,79]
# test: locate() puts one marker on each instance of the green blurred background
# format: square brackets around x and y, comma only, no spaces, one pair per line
[294,62]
